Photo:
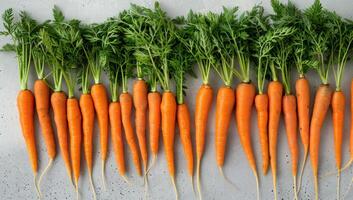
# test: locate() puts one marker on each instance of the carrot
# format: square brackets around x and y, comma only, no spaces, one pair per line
[25,105]
[203,105]
[154,117]
[100,100]
[42,99]
[126,106]
[275,90]
[351,135]
[168,115]
[302,88]
[245,95]
[87,109]
[58,103]
[75,129]
[183,116]
[117,137]
[224,108]
[291,124]
[321,105]
[261,104]
[140,104]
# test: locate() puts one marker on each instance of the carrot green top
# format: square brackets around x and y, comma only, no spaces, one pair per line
[20,32]
[63,44]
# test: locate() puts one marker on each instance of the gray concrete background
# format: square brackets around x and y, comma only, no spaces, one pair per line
[16,179]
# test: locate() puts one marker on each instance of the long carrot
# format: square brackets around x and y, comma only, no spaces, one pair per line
[224,109]
[154,121]
[168,115]
[42,98]
[75,129]
[87,109]
[261,104]
[100,100]
[291,124]
[183,116]
[126,107]
[351,134]
[302,89]
[275,90]
[321,105]
[140,104]
[245,95]
[203,105]
[117,137]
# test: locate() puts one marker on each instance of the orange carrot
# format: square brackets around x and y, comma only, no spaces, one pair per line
[42,98]
[303,103]
[168,115]
[100,100]
[154,116]
[321,105]
[245,95]
[224,109]
[126,107]
[58,103]
[183,116]
[203,105]
[117,137]
[87,109]
[351,138]
[261,104]
[275,90]
[25,105]
[75,129]
[140,104]
[291,124]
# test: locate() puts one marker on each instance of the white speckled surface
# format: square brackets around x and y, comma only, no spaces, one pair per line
[16,180]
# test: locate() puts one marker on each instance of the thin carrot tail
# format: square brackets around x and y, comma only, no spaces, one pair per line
[295,187]
[274,181]
[126,180]
[103,176]
[198,178]
[92,185]
[348,189]
[257,185]
[192,185]
[302,171]
[338,184]
[36,186]
[145,182]
[346,166]
[77,192]
[154,158]
[226,178]
[175,188]
[316,186]
[42,175]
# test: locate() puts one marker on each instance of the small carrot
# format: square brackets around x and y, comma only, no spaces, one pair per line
[100,100]
[261,104]
[321,105]
[291,124]
[140,104]
[224,109]
[351,134]
[275,90]
[245,95]
[302,88]
[126,107]
[75,129]
[87,110]
[42,99]
[154,117]
[168,116]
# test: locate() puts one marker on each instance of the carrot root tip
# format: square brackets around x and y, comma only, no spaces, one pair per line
[348,189]
[226,178]
[338,184]
[302,172]
[43,174]
[76,189]
[316,187]
[274,181]
[36,186]
[92,185]
[126,180]
[103,176]
[198,179]
[154,158]
[257,185]
[295,187]
[175,188]
[192,185]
